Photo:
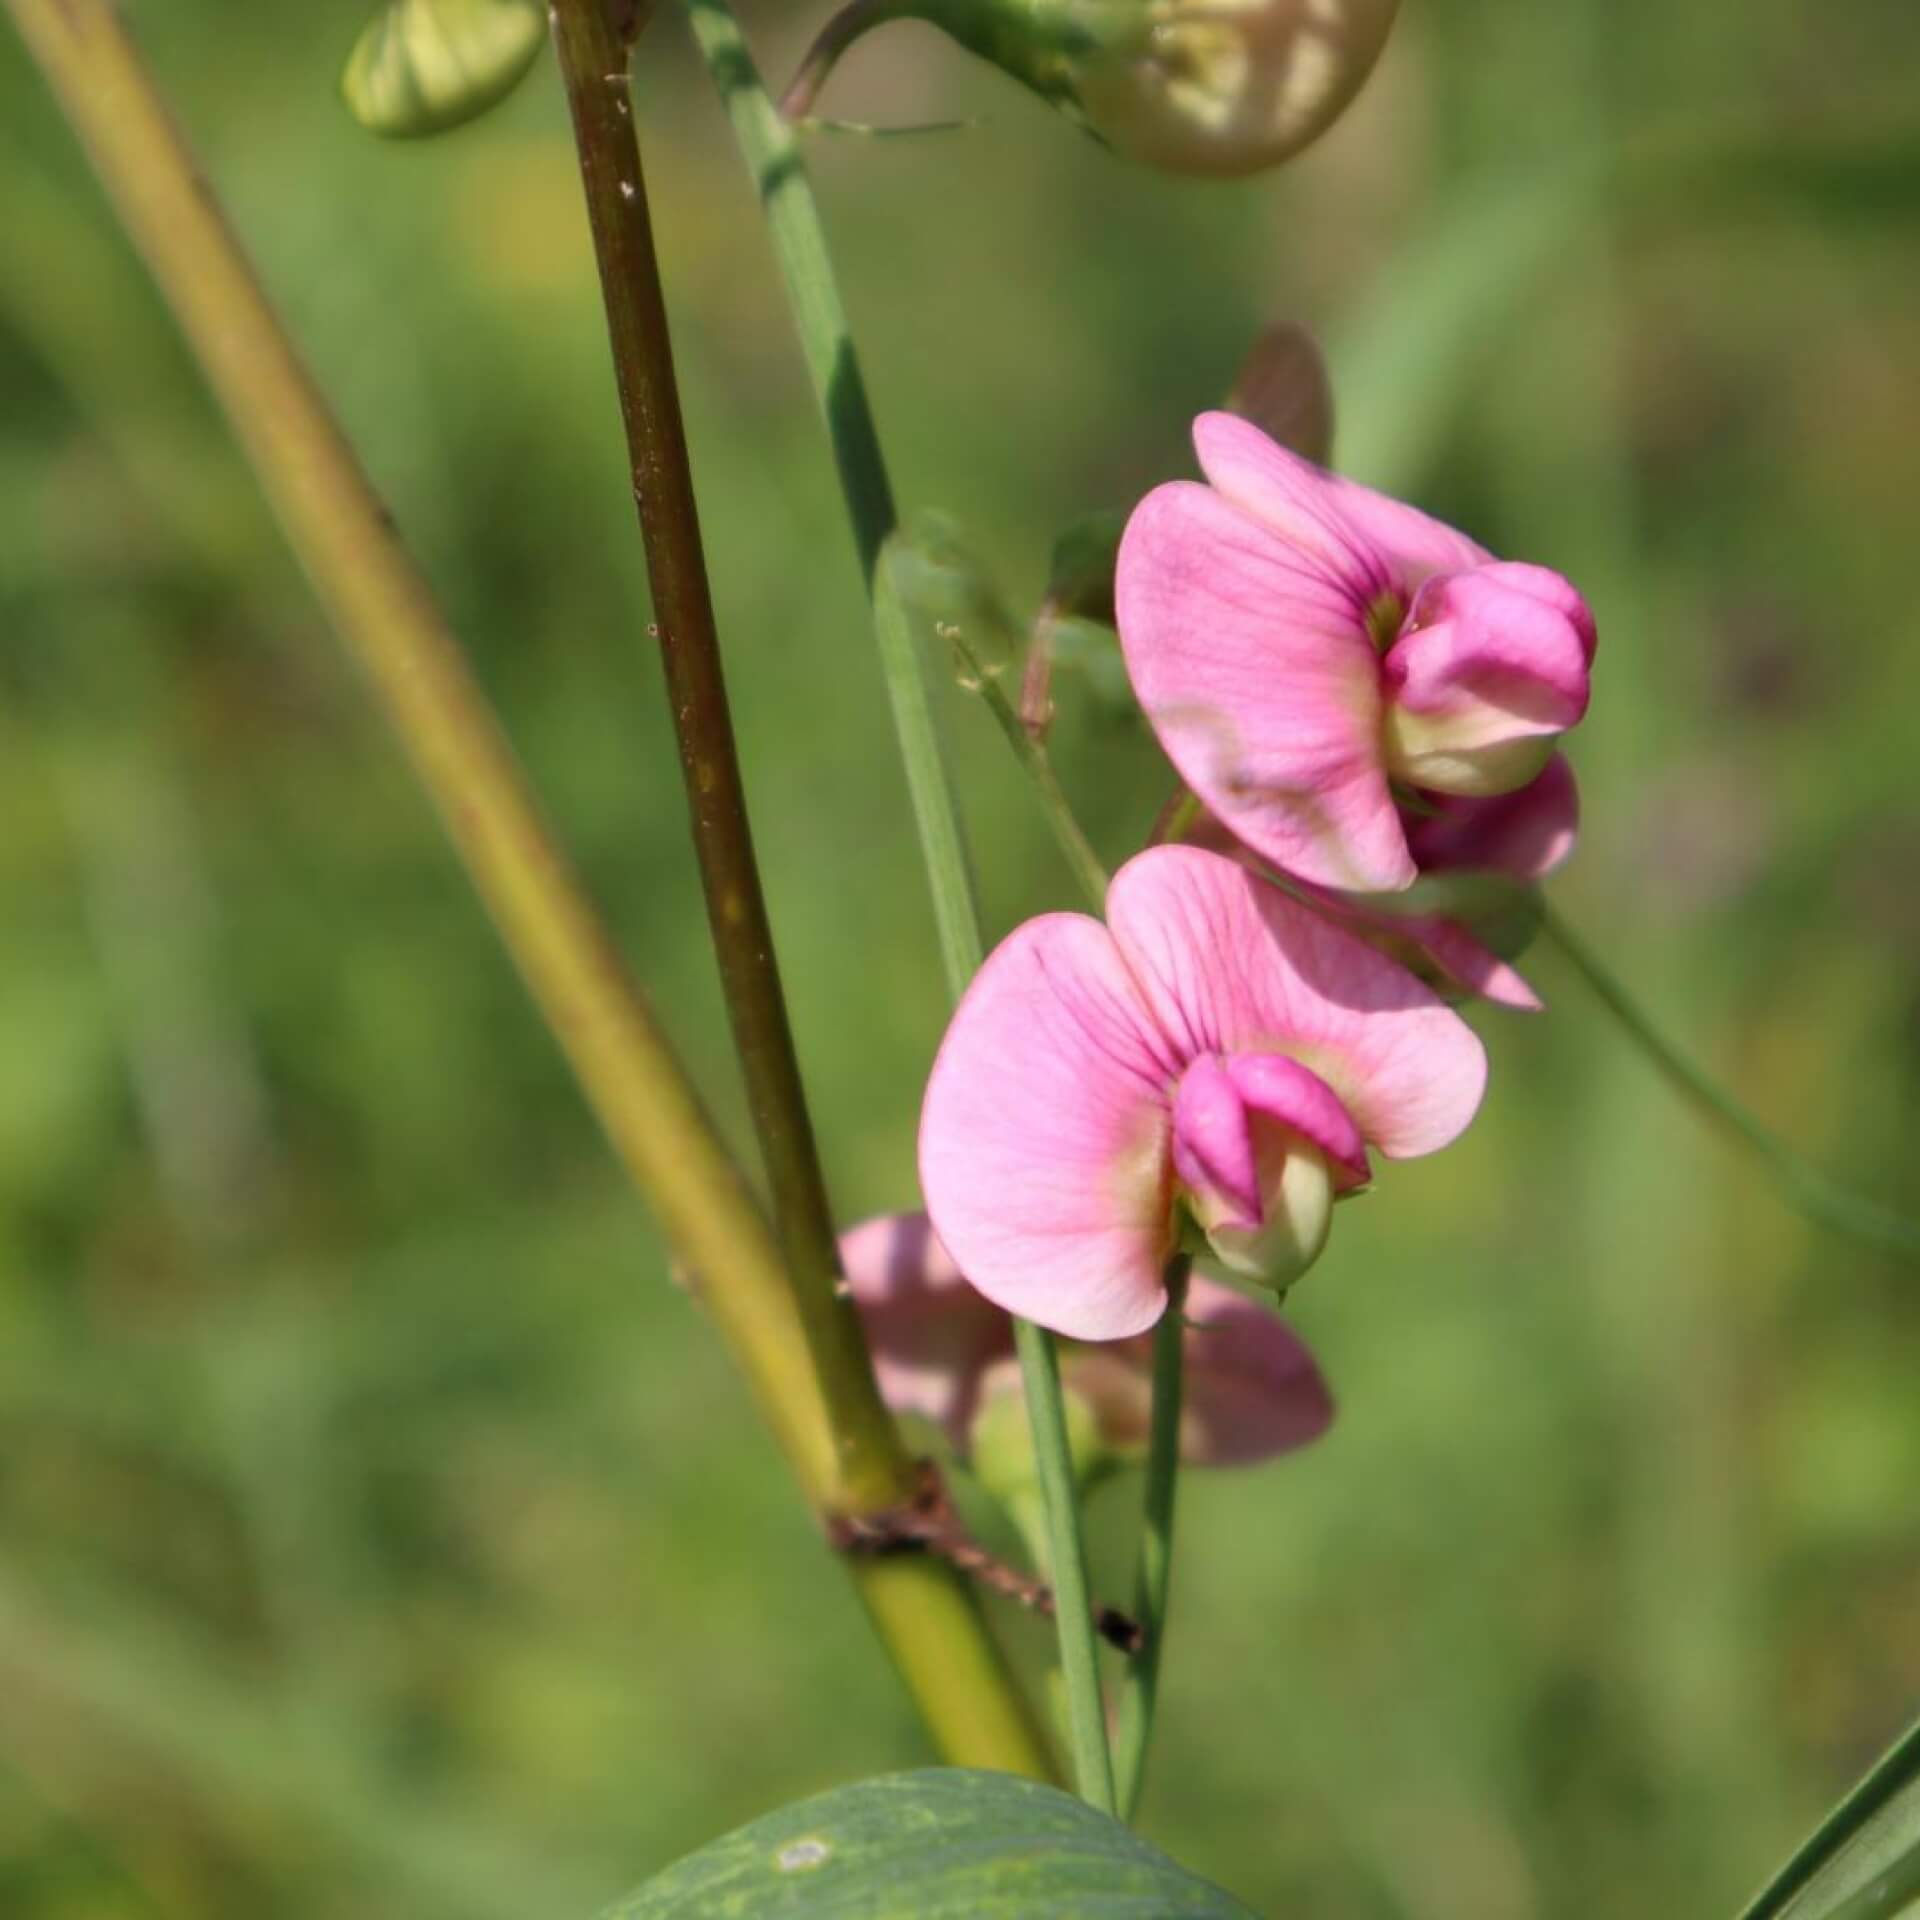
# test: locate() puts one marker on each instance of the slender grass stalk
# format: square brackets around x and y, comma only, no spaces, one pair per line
[1804,1188]
[1895,1770]
[772,155]
[650,1110]
[1154,1580]
[1067,1566]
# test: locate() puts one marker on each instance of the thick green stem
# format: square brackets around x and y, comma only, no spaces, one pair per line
[799,242]
[1154,1581]
[1804,1188]
[386,613]
[1896,1770]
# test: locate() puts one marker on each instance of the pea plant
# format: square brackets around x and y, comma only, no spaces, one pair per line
[1152,1105]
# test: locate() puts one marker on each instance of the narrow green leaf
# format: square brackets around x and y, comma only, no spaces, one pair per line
[426,65]
[943,1844]
[1864,1858]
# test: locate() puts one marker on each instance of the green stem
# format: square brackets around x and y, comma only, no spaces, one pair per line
[800,247]
[1804,1188]
[1075,848]
[385,612]
[1895,1770]
[1141,1690]
[1066,1566]
[936,809]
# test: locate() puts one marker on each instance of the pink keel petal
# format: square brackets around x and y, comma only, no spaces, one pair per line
[1284,1090]
[1493,655]
[1043,1139]
[1230,965]
[1254,664]
[932,1335]
[1213,1150]
[1366,536]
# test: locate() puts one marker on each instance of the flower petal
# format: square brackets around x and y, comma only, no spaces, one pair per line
[1253,661]
[1043,1140]
[932,1335]
[1280,1087]
[1477,969]
[1365,535]
[1229,964]
[1253,1390]
[1213,1149]
[1525,834]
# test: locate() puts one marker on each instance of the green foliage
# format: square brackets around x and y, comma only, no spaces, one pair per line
[423,66]
[936,1845]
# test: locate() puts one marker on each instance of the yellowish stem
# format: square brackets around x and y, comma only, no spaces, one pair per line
[384,609]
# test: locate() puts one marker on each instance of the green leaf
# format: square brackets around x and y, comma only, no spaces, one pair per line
[426,65]
[1863,1860]
[943,1844]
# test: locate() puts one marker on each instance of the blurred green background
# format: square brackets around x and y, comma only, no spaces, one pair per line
[381,1532]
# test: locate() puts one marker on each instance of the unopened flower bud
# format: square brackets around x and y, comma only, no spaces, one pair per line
[423,66]
[1195,86]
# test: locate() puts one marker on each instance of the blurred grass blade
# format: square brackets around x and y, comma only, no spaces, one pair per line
[426,65]
[942,1844]
[1860,1853]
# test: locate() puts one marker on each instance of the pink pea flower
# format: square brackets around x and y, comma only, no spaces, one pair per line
[1253,1391]
[1215,1051]
[1458,945]
[1304,646]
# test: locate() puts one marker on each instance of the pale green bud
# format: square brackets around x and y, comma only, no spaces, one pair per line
[1194,86]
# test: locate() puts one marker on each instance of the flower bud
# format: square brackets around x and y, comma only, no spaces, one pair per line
[423,66]
[1220,87]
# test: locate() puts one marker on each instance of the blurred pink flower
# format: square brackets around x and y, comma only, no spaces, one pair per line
[1252,1388]
[1215,1048]
[1303,646]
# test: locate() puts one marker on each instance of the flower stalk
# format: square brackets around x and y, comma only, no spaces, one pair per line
[1154,1581]
[386,614]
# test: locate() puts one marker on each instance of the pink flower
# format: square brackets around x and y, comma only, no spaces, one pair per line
[1302,646]
[1216,1049]
[1450,929]
[1252,1388]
